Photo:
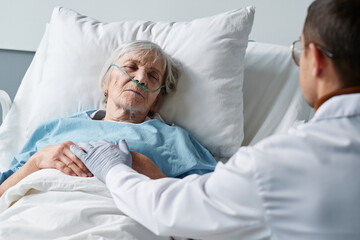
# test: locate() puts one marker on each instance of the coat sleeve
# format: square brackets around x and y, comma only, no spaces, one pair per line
[218,205]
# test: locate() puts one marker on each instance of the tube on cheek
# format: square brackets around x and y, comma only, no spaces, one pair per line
[137,82]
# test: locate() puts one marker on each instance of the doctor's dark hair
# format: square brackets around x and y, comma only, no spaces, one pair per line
[171,68]
[335,24]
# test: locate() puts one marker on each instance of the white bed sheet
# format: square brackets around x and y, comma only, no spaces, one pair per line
[51,205]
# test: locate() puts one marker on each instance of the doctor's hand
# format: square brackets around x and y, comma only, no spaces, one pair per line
[101,156]
[60,157]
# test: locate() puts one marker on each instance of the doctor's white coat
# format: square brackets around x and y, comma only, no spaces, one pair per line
[301,185]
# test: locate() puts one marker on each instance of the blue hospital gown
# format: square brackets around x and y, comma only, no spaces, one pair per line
[171,148]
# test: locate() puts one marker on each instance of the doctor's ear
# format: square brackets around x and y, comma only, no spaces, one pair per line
[318,60]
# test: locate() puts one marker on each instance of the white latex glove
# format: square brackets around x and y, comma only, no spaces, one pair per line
[99,157]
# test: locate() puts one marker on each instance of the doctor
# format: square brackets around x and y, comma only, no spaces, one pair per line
[301,185]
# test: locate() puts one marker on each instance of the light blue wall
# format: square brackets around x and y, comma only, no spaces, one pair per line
[13,65]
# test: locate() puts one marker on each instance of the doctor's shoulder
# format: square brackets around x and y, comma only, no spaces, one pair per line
[309,143]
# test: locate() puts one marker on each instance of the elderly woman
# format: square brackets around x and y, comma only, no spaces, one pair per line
[134,82]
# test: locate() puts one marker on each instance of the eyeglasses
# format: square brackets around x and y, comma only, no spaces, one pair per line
[296,48]
[152,84]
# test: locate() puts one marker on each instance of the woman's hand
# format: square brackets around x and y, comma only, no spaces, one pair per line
[56,156]
[60,157]
[145,166]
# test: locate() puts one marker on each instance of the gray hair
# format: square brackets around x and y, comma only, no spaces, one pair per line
[145,47]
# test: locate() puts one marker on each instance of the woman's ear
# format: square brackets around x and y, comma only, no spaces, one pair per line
[105,92]
[104,88]
[105,81]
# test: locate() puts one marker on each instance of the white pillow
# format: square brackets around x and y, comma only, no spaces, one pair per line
[208,101]
[12,130]
[273,101]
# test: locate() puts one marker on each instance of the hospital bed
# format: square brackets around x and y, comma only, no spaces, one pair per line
[252,93]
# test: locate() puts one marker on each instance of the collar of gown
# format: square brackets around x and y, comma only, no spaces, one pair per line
[323,99]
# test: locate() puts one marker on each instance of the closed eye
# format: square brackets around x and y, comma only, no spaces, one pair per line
[154,76]
[130,67]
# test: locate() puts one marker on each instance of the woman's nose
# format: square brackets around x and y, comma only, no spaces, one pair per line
[141,83]
[141,77]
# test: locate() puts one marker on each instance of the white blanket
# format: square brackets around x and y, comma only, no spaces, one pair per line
[51,205]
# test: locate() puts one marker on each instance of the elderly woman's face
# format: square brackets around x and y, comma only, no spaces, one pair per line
[125,93]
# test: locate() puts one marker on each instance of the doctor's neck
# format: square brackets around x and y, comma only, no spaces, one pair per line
[330,87]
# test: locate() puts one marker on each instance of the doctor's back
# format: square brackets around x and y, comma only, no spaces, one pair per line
[309,179]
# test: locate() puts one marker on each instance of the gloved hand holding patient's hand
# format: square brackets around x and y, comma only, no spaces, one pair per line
[99,157]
